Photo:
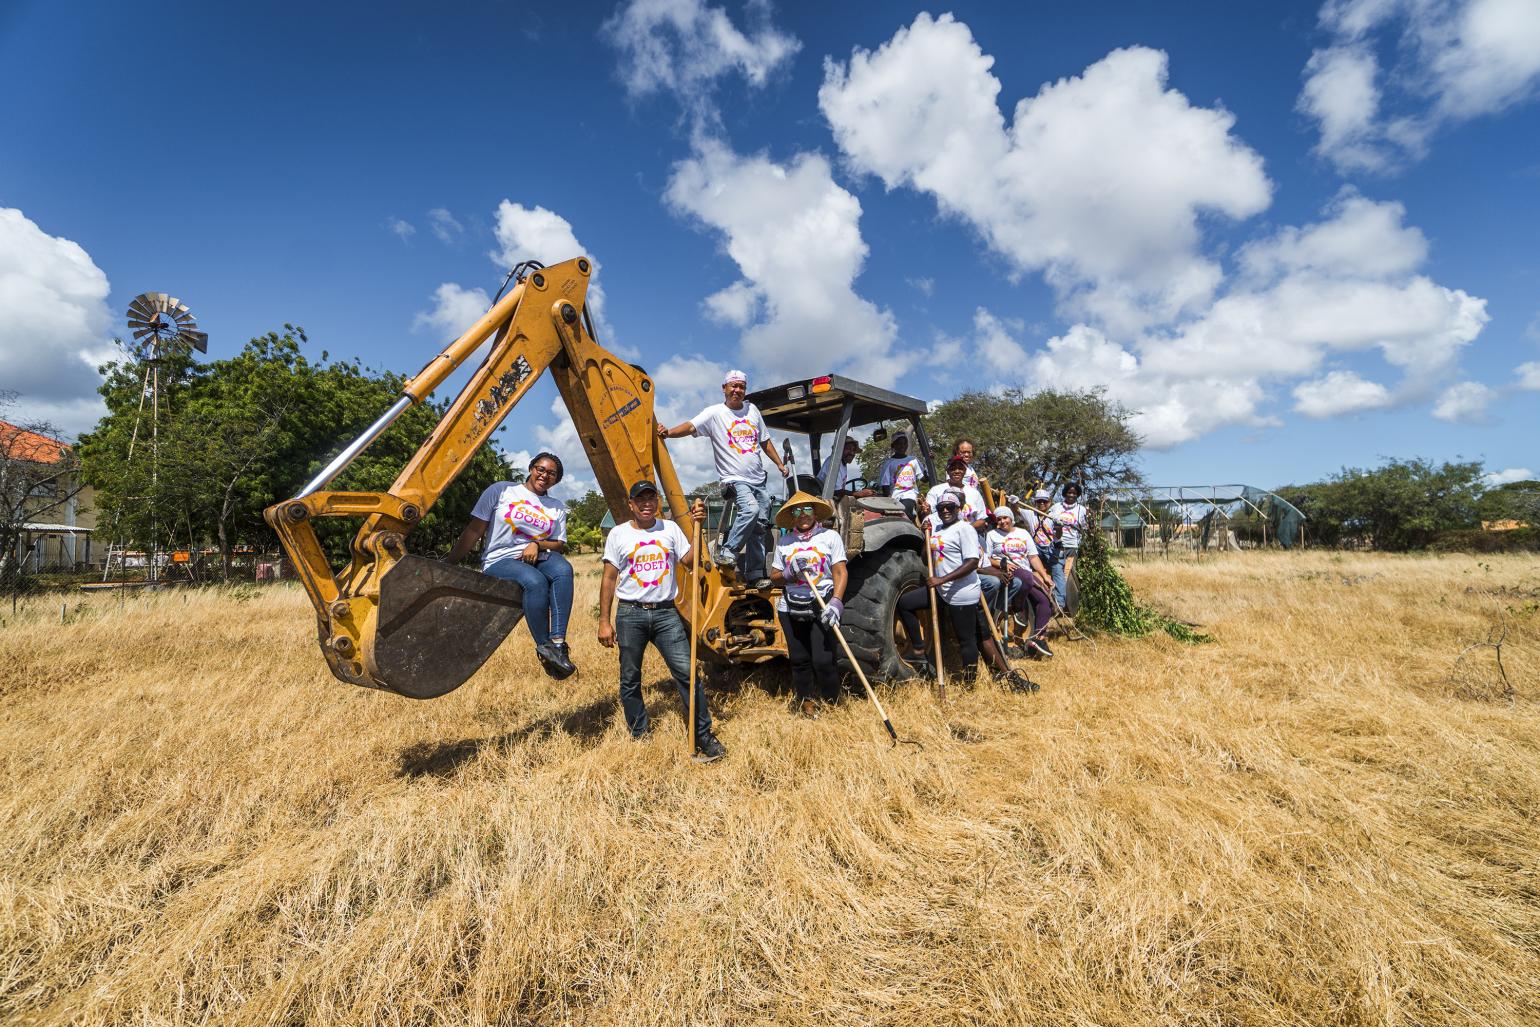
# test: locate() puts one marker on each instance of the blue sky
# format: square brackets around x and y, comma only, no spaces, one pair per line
[1292,238]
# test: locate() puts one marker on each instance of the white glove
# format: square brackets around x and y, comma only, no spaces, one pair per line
[832,612]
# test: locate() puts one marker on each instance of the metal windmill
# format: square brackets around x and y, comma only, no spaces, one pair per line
[161,325]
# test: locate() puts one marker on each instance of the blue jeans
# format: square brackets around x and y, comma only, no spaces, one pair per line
[547,586]
[664,628]
[751,516]
[991,587]
[1054,561]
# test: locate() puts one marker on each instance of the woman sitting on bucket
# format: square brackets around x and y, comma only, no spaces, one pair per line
[807,551]
[526,533]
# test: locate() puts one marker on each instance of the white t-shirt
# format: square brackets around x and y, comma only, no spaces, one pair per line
[1015,545]
[823,550]
[949,547]
[971,477]
[646,559]
[904,474]
[516,517]
[736,436]
[841,476]
[973,504]
[1043,529]
[1073,518]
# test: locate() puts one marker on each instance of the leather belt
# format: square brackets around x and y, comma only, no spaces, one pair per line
[665,605]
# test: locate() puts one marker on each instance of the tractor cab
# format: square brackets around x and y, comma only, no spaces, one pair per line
[825,409]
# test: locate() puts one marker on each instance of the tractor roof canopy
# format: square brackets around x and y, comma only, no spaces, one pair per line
[816,406]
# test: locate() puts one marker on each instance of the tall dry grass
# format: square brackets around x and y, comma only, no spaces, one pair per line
[1324,818]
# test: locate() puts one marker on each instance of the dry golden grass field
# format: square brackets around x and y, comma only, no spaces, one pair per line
[1324,817]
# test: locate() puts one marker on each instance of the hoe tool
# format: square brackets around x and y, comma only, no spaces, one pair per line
[935,617]
[876,703]
[694,627]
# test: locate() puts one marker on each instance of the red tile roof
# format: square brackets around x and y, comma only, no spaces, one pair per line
[21,444]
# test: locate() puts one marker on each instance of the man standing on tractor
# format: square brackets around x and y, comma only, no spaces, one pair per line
[738,435]
[641,561]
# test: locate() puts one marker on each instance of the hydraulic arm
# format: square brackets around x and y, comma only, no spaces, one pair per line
[420,627]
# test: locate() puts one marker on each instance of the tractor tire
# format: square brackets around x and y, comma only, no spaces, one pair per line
[871,611]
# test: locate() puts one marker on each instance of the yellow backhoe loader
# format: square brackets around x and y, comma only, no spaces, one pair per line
[421,627]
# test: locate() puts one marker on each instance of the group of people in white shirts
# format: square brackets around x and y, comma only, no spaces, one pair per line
[974,551]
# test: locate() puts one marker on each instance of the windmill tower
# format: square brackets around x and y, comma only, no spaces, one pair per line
[161,325]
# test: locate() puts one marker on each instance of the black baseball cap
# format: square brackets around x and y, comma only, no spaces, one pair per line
[645,485]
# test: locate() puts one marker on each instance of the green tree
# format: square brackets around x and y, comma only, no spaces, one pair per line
[1044,439]
[239,434]
[1514,501]
[1403,505]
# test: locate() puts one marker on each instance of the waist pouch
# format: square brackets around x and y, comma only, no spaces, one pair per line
[800,606]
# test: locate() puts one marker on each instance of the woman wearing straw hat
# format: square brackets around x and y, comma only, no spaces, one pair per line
[807,551]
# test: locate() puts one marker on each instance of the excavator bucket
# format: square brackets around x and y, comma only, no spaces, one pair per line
[437,624]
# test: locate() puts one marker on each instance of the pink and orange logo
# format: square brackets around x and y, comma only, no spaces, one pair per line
[528,520]
[742,435]
[649,563]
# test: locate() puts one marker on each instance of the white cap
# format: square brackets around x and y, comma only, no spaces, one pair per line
[951,496]
[736,375]
[1004,511]
[1041,494]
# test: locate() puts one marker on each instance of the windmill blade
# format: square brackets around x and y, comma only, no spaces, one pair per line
[159,299]
[141,334]
[171,303]
[136,323]
[142,307]
[181,308]
[198,340]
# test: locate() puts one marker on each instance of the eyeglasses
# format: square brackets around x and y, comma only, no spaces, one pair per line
[804,510]
[549,472]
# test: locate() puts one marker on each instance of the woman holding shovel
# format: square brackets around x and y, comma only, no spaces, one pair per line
[807,551]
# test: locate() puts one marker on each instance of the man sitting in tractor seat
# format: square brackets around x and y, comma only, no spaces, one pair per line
[738,435]
[842,472]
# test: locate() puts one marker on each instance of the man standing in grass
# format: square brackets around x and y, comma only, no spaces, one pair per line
[641,562]
[738,435]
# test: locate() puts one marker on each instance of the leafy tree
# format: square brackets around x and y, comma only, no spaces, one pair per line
[1406,504]
[584,516]
[37,479]
[1515,501]
[1044,439]
[240,434]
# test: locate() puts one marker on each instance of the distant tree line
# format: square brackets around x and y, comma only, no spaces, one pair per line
[1417,504]
[239,434]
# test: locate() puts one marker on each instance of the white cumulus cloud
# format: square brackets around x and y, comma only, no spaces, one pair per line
[1464,402]
[454,309]
[444,225]
[1338,393]
[1507,476]
[1100,181]
[1346,284]
[795,236]
[1528,375]
[1454,60]
[684,46]
[56,328]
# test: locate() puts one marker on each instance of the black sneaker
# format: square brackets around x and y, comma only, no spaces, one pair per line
[1016,651]
[554,661]
[709,749]
[1016,681]
[1039,646]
